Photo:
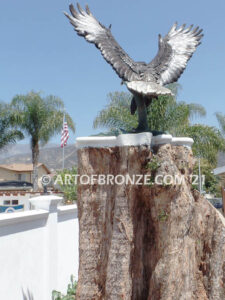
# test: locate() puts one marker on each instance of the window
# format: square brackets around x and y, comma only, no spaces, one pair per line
[21,177]
[15,202]
[6,202]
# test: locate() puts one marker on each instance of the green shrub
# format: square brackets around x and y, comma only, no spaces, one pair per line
[71,291]
[69,190]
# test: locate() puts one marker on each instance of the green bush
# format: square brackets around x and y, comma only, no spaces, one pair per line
[71,291]
[69,189]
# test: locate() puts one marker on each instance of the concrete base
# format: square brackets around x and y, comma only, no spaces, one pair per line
[135,139]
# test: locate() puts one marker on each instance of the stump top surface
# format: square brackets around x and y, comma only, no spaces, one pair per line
[136,139]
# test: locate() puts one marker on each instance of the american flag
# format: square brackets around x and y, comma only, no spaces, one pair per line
[65,135]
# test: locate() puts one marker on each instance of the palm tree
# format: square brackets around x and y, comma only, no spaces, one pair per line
[116,116]
[208,142]
[40,119]
[164,114]
[8,134]
[221,120]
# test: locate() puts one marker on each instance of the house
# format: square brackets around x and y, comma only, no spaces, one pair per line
[16,186]
[21,172]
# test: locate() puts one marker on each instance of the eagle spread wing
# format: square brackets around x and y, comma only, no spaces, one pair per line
[175,49]
[94,32]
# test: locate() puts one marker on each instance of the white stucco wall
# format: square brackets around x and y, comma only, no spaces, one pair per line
[68,231]
[38,250]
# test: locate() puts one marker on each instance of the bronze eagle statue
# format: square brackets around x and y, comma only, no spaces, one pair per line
[144,80]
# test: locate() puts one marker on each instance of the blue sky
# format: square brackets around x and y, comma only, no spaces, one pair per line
[40,51]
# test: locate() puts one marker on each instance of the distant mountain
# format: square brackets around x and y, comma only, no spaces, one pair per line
[14,150]
[50,155]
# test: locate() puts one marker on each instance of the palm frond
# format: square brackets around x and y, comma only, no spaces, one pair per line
[221,120]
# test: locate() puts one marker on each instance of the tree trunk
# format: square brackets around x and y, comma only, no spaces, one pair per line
[35,158]
[147,241]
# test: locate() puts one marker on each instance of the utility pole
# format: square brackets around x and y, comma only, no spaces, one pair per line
[199,176]
[63,141]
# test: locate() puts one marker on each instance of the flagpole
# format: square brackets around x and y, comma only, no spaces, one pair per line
[63,141]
